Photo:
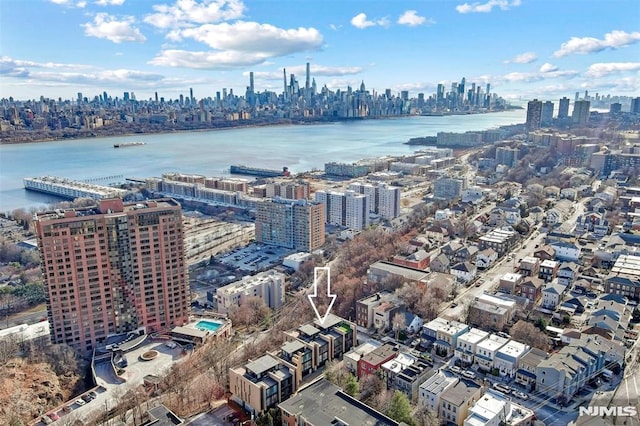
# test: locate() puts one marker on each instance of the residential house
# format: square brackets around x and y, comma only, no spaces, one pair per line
[507,358]
[545,252]
[509,282]
[624,278]
[486,258]
[593,223]
[526,373]
[441,263]
[552,295]
[414,323]
[416,260]
[531,288]
[464,271]
[569,194]
[548,270]
[450,250]
[323,403]
[383,315]
[566,252]
[529,266]
[352,357]
[567,273]
[551,191]
[567,371]
[456,401]
[433,387]
[495,409]
[501,300]
[447,337]
[408,381]
[394,366]
[610,319]
[486,316]
[486,351]
[372,362]
[366,306]
[437,233]
[466,345]
[466,254]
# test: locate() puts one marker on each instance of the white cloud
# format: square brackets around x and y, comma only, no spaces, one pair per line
[412,19]
[478,7]
[602,69]
[360,21]
[335,27]
[251,37]
[185,12]
[109,2]
[523,58]
[70,3]
[582,45]
[110,28]
[547,67]
[206,60]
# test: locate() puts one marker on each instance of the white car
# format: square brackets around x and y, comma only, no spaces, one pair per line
[469,374]
[170,344]
[455,369]
[80,402]
[521,395]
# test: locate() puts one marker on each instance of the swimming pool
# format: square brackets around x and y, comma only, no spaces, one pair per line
[208,325]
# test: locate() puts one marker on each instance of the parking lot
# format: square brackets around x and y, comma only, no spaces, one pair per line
[254,258]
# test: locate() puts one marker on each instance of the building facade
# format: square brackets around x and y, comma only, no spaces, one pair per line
[295,224]
[112,269]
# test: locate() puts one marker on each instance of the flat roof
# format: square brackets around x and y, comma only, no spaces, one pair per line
[188,331]
[293,346]
[262,364]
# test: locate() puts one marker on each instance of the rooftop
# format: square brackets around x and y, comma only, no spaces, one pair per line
[262,364]
[461,392]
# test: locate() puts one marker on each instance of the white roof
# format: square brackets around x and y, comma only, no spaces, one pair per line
[492,343]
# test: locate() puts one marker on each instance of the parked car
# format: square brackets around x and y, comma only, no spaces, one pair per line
[502,388]
[80,402]
[469,374]
[521,395]
[93,394]
[455,369]
[46,420]
[86,398]
[170,344]
[53,416]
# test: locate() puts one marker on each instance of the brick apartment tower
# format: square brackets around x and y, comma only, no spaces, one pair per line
[112,269]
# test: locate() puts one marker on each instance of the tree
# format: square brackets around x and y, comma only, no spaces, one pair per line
[425,417]
[400,408]
[351,386]
[398,323]
[527,333]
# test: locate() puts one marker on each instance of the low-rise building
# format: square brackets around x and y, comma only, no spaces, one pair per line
[624,278]
[566,252]
[509,282]
[365,307]
[486,351]
[526,373]
[447,337]
[268,286]
[500,240]
[567,273]
[467,343]
[507,358]
[323,403]
[494,409]
[486,258]
[548,270]
[352,357]
[408,381]
[529,266]
[372,362]
[416,260]
[552,295]
[456,401]
[430,391]
[464,271]
[531,288]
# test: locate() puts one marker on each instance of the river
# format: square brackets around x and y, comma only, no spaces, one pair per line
[299,147]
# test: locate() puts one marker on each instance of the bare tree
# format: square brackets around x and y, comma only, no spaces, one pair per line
[398,323]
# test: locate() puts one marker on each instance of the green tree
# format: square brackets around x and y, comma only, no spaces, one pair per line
[351,386]
[400,409]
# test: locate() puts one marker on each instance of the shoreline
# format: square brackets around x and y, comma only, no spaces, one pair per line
[226,126]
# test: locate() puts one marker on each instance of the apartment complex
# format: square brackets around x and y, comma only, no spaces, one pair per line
[295,224]
[348,208]
[268,286]
[448,188]
[112,269]
[287,188]
[384,199]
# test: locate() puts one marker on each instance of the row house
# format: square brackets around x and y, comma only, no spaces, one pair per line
[486,351]
[548,270]
[408,381]
[352,357]
[456,401]
[494,408]
[529,266]
[431,389]
[466,345]
[567,371]
[510,282]
[526,372]
[373,361]
[464,271]
[394,366]
[444,333]
[500,240]
[507,358]
[567,273]
[624,278]
[531,288]
[552,295]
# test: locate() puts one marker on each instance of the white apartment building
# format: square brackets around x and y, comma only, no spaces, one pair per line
[507,359]
[486,351]
[348,208]
[384,199]
[268,286]
[466,345]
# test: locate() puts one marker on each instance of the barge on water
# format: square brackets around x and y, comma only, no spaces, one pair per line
[255,171]
[126,144]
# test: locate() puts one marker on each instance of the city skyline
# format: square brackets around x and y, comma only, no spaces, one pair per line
[525,49]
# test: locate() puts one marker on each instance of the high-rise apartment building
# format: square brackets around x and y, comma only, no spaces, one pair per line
[563,108]
[347,208]
[384,199]
[289,189]
[580,113]
[547,113]
[507,156]
[635,106]
[296,224]
[112,269]
[448,188]
[534,114]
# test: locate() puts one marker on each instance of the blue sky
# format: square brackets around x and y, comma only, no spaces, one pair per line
[524,48]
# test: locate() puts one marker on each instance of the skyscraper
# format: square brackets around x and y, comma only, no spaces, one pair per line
[383,199]
[307,83]
[534,114]
[563,108]
[296,224]
[635,105]
[112,269]
[547,113]
[580,113]
[349,209]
